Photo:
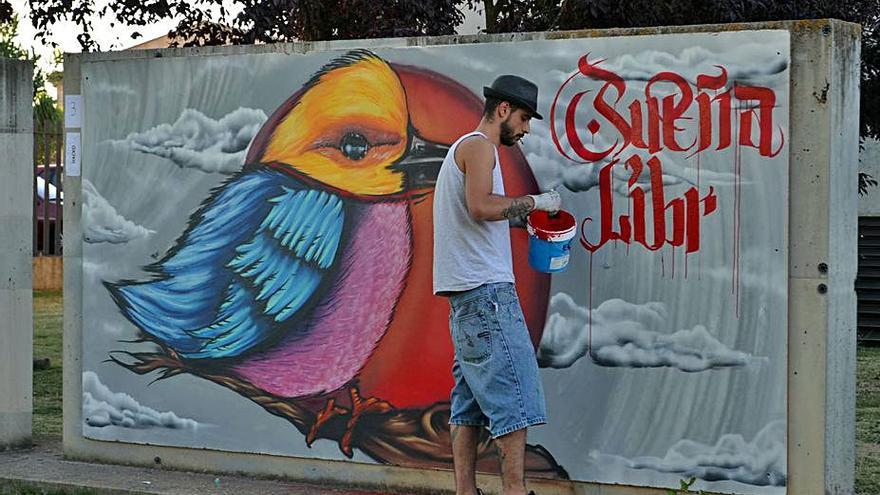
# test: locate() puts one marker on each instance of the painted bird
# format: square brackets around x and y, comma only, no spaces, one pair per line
[288,274]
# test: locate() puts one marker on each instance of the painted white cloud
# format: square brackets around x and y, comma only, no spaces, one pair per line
[748,62]
[757,272]
[102,407]
[101,222]
[430,57]
[631,335]
[200,142]
[761,461]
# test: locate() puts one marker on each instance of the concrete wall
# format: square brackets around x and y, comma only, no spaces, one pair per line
[821,268]
[16,216]
[840,338]
[822,338]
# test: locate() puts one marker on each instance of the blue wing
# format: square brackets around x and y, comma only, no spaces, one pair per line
[252,257]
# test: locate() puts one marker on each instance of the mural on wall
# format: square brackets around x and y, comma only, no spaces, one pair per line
[257,253]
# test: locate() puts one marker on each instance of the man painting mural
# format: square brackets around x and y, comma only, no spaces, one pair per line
[496,374]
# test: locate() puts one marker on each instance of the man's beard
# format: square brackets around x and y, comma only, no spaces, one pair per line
[508,137]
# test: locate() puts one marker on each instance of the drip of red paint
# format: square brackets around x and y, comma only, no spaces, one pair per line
[737,216]
[590,310]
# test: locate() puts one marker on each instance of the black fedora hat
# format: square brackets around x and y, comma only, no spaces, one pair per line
[516,90]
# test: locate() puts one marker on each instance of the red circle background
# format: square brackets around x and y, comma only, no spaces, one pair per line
[411,365]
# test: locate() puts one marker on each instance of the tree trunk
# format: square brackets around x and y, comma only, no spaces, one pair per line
[491,16]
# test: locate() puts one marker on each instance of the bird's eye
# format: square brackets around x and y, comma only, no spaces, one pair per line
[354,146]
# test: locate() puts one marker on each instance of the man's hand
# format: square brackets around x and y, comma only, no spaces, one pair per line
[549,201]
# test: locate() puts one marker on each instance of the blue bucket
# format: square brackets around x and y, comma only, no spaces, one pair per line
[550,240]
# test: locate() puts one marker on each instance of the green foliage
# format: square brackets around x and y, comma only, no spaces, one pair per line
[684,487]
[865,181]
[8,47]
[209,22]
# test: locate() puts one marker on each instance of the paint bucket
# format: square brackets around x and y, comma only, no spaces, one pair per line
[550,240]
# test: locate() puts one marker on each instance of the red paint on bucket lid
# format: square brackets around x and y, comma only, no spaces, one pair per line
[557,227]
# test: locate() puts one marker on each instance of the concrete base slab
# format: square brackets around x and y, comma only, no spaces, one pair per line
[42,466]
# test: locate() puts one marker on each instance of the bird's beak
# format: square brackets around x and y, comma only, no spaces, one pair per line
[421,164]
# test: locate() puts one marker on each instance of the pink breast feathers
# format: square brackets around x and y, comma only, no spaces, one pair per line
[352,316]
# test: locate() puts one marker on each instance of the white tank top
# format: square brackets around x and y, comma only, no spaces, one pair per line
[467,253]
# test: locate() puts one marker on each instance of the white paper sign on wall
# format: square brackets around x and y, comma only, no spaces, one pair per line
[72,110]
[71,154]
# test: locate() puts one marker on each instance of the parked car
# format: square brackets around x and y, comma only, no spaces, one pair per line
[48,202]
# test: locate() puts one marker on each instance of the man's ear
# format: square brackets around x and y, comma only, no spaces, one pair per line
[502,110]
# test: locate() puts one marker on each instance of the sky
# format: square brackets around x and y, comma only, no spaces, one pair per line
[64,33]
[119,37]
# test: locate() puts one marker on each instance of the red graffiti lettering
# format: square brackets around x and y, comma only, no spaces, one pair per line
[685,211]
[671,110]
[704,103]
[766,99]
[653,123]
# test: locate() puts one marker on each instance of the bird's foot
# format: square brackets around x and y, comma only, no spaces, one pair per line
[330,410]
[360,406]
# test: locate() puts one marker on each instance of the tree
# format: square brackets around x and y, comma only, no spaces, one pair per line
[6,11]
[209,22]
[549,15]
[46,112]
[45,108]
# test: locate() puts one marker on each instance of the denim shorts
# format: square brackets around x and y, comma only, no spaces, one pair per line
[495,370]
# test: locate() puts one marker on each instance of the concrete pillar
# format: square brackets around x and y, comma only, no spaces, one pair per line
[16,277]
[823,224]
[72,381]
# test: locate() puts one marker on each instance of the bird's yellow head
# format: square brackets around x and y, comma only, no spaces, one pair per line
[347,128]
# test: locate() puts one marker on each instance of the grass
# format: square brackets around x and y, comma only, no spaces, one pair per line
[23,489]
[48,310]
[868,421]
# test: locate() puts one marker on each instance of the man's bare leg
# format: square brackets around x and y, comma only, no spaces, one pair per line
[464,457]
[512,451]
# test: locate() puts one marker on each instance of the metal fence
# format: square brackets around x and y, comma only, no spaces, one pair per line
[868,280]
[48,188]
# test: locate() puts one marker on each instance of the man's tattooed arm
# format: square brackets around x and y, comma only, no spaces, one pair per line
[517,210]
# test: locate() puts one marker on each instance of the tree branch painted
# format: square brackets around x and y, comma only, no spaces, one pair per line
[404,437]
